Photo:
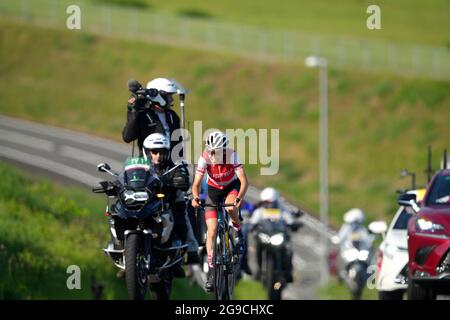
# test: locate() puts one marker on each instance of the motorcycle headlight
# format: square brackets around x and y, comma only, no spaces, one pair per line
[363,255]
[424,224]
[277,239]
[130,197]
[351,254]
[264,237]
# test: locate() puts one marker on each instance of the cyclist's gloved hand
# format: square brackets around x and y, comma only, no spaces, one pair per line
[238,203]
[195,202]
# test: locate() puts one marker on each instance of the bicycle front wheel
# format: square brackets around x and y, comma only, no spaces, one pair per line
[232,268]
[219,270]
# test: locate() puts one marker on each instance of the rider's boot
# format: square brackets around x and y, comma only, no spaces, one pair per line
[178,271]
[240,242]
[209,284]
[192,257]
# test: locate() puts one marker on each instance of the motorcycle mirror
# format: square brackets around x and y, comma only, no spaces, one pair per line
[408,200]
[297,213]
[335,239]
[102,167]
[295,226]
[378,227]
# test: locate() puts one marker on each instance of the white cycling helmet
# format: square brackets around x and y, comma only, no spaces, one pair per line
[216,140]
[269,195]
[354,215]
[162,87]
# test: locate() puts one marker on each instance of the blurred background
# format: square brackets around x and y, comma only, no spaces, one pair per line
[243,62]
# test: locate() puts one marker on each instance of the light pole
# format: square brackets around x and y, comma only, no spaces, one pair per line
[405,173]
[322,64]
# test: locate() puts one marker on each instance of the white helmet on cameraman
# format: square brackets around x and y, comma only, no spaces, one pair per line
[269,195]
[216,140]
[162,88]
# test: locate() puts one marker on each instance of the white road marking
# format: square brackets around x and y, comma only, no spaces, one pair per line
[27,140]
[49,165]
[88,157]
[64,134]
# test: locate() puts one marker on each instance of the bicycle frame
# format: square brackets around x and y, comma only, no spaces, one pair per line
[225,258]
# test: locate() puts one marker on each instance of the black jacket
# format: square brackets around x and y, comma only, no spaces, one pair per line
[177,179]
[140,125]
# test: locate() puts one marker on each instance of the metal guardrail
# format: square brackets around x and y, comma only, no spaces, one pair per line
[266,44]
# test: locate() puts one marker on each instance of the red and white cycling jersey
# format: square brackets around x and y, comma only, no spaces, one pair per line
[219,175]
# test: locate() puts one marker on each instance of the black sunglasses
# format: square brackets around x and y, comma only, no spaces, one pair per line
[160,151]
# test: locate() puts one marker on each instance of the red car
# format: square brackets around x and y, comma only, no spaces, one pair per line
[429,240]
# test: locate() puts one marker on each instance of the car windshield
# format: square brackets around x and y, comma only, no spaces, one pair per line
[440,191]
[402,220]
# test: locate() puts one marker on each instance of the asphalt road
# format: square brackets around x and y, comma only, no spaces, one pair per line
[72,157]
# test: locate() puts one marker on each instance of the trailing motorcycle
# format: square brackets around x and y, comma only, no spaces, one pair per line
[355,257]
[141,223]
[274,254]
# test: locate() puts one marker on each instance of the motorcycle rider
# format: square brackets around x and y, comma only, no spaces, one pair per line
[153,114]
[353,237]
[227,183]
[156,148]
[353,222]
[270,199]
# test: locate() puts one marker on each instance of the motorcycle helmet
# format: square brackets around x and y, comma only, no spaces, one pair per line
[354,216]
[153,142]
[162,88]
[269,195]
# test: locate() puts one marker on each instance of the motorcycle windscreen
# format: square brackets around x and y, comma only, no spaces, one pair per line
[137,172]
[273,214]
[136,178]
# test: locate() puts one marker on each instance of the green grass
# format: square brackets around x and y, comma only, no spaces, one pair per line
[378,124]
[336,291]
[250,290]
[351,47]
[402,20]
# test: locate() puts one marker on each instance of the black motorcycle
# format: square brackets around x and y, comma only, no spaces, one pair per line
[141,223]
[274,255]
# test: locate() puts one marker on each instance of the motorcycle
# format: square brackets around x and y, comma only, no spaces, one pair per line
[274,253]
[355,257]
[141,223]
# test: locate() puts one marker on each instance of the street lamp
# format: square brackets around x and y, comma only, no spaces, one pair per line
[322,64]
[405,173]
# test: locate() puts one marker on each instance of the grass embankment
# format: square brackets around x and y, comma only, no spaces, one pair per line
[401,20]
[378,124]
[338,291]
[45,228]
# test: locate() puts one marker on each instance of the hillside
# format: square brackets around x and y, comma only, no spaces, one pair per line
[402,20]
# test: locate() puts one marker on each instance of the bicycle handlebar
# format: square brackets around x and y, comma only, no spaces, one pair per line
[217,205]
